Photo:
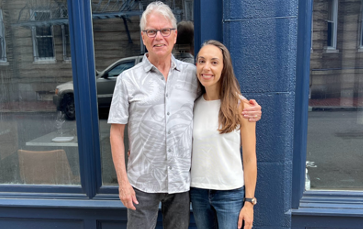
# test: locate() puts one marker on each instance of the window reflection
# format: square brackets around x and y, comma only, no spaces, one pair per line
[42,36]
[2,39]
[335,123]
[118,46]
[38,144]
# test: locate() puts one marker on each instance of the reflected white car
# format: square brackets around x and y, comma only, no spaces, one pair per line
[105,82]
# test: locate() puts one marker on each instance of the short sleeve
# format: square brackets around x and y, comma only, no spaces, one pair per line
[119,110]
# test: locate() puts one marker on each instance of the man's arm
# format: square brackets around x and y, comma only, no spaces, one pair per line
[126,191]
[253,113]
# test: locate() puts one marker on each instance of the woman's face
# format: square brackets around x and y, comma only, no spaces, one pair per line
[210,66]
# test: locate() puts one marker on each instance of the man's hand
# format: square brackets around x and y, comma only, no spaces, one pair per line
[127,196]
[252,112]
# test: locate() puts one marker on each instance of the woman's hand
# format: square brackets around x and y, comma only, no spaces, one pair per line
[246,215]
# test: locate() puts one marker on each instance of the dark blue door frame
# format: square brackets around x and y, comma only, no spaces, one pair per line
[83,68]
[301,99]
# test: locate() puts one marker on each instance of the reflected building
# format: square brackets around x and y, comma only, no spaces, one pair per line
[336,77]
[36,58]
[336,96]
[35,52]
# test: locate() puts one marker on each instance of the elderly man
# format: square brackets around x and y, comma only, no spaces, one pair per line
[156,98]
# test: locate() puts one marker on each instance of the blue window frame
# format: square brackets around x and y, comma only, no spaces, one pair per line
[83,66]
[307,204]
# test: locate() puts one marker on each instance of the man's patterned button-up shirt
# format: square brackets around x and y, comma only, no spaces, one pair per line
[159,114]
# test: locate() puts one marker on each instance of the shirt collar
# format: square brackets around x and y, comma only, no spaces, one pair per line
[149,66]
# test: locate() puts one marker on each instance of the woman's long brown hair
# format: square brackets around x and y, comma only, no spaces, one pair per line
[230,94]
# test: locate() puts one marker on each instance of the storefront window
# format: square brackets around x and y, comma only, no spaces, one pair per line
[2,39]
[38,138]
[335,121]
[118,46]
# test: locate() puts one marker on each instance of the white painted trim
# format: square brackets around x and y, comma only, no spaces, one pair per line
[331,50]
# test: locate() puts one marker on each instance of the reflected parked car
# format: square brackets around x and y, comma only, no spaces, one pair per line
[105,83]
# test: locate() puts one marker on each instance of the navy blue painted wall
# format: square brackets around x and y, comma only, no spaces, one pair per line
[262,39]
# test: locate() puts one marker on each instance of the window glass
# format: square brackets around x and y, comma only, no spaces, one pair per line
[361,27]
[335,121]
[66,42]
[2,39]
[120,68]
[38,134]
[332,11]
[116,37]
[43,36]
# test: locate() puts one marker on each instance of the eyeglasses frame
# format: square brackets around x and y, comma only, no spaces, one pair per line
[158,30]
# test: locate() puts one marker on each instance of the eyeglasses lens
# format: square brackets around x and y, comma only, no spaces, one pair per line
[153,32]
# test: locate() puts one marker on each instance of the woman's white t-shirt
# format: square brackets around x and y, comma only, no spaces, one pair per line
[216,158]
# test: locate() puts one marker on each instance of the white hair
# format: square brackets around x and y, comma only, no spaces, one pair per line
[160,8]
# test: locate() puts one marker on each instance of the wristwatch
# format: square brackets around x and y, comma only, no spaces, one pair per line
[253,200]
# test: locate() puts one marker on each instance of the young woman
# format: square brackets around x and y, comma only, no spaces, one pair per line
[222,181]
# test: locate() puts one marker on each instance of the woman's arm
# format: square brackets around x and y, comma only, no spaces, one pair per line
[248,140]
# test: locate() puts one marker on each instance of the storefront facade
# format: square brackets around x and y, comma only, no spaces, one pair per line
[59,60]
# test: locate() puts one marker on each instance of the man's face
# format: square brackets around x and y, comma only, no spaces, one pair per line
[158,46]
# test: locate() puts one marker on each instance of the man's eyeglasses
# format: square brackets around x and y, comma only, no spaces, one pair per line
[152,32]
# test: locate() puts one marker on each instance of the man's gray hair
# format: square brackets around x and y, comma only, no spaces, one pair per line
[160,8]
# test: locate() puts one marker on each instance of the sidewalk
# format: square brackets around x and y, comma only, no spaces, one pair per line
[28,106]
[336,104]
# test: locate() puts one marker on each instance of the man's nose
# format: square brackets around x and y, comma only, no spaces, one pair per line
[158,34]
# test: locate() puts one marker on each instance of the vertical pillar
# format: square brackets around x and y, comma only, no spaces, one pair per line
[262,39]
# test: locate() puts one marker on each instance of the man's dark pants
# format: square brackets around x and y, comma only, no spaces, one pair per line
[174,209]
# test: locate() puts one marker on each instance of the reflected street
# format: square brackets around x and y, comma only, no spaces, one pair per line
[334,150]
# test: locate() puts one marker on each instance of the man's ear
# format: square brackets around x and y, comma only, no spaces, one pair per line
[142,36]
[176,36]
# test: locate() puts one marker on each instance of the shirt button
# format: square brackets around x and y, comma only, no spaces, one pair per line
[169,132]
[169,150]
[168,113]
[169,167]
[166,95]
[161,78]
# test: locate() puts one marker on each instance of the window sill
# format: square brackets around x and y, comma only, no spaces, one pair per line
[4,63]
[49,61]
[62,203]
[330,203]
[331,50]
[360,49]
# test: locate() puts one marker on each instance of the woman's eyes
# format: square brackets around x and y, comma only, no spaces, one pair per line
[203,61]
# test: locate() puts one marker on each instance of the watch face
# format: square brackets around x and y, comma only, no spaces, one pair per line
[251,200]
